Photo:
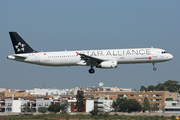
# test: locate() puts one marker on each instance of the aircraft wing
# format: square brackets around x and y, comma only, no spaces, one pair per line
[90,57]
[89,60]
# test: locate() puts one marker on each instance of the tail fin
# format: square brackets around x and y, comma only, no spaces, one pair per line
[20,46]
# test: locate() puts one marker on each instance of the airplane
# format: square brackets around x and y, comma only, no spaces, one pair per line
[105,59]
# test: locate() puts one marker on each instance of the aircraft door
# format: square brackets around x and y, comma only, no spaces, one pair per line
[154,51]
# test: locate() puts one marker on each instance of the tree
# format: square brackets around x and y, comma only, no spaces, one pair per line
[170,85]
[115,106]
[131,106]
[155,107]
[146,105]
[25,108]
[42,110]
[117,103]
[95,111]
[54,108]
[151,88]
[64,106]
[143,88]
[80,101]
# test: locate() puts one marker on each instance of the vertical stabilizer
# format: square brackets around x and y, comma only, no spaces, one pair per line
[20,46]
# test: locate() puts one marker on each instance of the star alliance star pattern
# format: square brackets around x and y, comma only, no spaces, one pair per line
[20,47]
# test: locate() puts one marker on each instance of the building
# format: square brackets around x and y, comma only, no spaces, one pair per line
[104,105]
[73,91]
[4,90]
[154,97]
[172,107]
[44,92]
[89,105]
[12,94]
[11,105]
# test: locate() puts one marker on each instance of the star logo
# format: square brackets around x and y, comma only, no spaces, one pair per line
[77,53]
[150,58]
[20,47]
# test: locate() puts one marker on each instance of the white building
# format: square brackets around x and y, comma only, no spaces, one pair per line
[104,105]
[39,91]
[172,107]
[9,105]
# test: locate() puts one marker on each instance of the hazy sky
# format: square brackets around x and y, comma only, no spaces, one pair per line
[55,25]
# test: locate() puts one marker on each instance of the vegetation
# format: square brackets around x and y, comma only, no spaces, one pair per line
[170,85]
[42,110]
[146,105]
[169,99]
[57,107]
[131,106]
[95,111]
[26,109]
[54,108]
[64,106]
[82,117]
[80,101]
[155,107]
[117,104]
[124,105]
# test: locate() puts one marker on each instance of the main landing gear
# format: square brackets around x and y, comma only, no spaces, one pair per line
[91,70]
[154,68]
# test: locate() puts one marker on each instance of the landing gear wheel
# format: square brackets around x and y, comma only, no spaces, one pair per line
[154,69]
[91,71]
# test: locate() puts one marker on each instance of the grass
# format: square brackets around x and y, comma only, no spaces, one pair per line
[53,116]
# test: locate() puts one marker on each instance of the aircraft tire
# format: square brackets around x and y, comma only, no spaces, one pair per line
[91,71]
[154,69]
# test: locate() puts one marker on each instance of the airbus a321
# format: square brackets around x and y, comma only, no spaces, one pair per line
[106,59]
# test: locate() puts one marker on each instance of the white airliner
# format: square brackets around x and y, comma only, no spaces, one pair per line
[108,58]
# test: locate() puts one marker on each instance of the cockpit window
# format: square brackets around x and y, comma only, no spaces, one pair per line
[163,52]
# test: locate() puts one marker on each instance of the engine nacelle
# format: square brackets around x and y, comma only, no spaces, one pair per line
[107,64]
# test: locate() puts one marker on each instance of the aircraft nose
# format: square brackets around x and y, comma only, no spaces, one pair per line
[170,56]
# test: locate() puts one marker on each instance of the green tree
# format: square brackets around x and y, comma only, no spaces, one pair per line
[118,103]
[155,107]
[169,99]
[95,111]
[160,87]
[131,106]
[42,110]
[25,108]
[146,105]
[63,106]
[143,88]
[115,106]
[80,101]
[54,108]
[170,85]
[151,88]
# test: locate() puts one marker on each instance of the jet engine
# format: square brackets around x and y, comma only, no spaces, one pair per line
[107,64]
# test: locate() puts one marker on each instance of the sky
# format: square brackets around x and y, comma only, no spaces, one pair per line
[58,25]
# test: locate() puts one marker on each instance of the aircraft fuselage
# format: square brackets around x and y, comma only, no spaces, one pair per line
[71,58]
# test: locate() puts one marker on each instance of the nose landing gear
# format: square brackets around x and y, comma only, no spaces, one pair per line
[154,68]
[91,70]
